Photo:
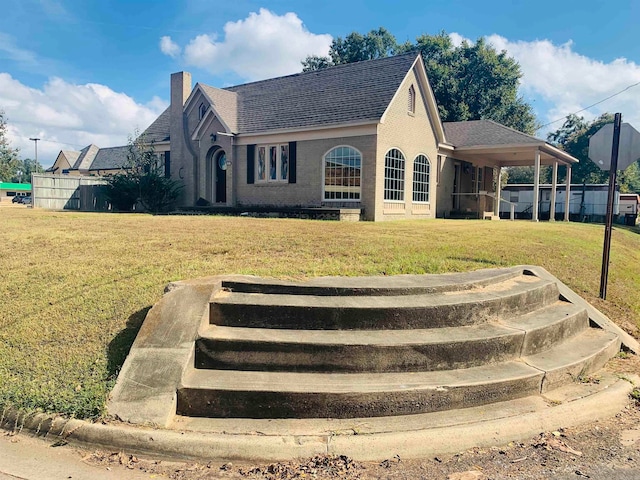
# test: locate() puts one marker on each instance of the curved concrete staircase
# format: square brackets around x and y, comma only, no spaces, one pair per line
[282,369]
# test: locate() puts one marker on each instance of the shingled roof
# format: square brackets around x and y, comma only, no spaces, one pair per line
[110,158]
[474,133]
[225,103]
[350,93]
[158,131]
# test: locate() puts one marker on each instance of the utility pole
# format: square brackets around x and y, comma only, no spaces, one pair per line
[35,140]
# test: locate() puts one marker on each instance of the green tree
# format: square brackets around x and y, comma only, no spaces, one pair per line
[142,180]
[470,81]
[355,48]
[573,137]
[9,162]
[25,168]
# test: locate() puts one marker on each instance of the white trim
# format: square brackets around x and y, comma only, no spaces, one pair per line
[204,123]
[313,133]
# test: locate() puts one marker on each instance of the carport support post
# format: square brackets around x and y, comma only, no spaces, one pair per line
[536,187]
[496,204]
[554,185]
[567,199]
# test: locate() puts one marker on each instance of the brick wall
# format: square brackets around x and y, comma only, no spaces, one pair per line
[413,135]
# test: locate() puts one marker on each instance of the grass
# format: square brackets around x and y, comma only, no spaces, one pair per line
[75,287]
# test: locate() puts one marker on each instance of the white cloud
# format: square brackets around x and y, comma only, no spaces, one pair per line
[566,81]
[169,47]
[15,53]
[263,45]
[569,81]
[74,114]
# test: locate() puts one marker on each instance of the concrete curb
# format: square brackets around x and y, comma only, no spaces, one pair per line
[368,447]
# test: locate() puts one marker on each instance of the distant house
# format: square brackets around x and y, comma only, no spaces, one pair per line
[91,160]
[9,190]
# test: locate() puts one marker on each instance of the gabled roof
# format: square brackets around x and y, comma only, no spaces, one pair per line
[225,104]
[71,156]
[111,158]
[474,133]
[158,131]
[350,93]
[86,157]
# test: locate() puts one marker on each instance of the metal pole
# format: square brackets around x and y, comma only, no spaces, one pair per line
[604,275]
[36,144]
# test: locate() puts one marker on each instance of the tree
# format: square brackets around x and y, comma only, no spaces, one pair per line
[471,81]
[142,180]
[354,48]
[25,167]
[9,162]
[573,137]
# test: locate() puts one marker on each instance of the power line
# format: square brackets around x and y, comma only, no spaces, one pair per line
[593,105]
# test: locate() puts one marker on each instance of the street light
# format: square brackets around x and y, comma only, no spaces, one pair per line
[36,144]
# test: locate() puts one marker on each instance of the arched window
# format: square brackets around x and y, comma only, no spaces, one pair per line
[412,100]
[421,169]
[342,173]
[394,175]
[201,111]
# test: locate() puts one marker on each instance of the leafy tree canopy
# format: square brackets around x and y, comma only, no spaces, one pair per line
[573,137]
[9,161]
[471,81]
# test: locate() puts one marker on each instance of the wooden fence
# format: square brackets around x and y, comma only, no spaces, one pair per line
[66,192]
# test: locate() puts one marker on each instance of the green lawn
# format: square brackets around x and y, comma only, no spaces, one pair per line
[76,286]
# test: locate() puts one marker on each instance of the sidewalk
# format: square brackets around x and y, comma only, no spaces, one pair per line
[26,458]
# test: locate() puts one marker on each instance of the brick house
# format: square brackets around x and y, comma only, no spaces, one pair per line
[363,136]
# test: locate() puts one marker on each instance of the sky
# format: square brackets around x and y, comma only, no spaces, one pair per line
[75,72]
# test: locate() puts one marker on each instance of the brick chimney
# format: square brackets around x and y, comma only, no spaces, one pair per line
[182,167]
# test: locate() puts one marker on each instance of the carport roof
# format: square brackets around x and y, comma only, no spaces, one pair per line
[499,144]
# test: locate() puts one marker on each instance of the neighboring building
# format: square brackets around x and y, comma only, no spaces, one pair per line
[9,190]
[364,135]
[629,203]
[91,160]
[588,202]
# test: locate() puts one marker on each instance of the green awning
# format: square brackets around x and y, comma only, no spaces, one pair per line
[17,187]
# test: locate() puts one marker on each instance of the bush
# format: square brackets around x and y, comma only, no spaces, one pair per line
[142,180]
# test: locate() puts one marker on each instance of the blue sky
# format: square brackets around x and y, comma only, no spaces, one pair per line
[78,72]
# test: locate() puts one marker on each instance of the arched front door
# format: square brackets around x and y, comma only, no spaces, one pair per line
[220,160]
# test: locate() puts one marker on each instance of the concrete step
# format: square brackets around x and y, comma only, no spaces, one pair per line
[375,286]
[576,359]
[518,295]
[401,424]
[248,394]
[240,348]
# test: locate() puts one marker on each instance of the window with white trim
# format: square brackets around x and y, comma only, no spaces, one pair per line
[421,172]
[394,175]
[201,111]
[342,174]
[272,163]
[411,106]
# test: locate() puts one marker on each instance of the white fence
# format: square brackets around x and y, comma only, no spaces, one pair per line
[67,192]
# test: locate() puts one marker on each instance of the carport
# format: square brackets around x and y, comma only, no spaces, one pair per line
[481,144]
